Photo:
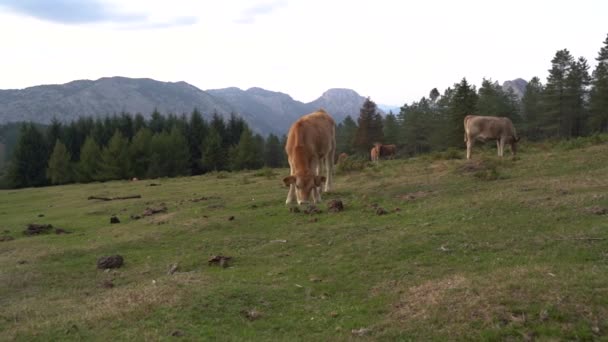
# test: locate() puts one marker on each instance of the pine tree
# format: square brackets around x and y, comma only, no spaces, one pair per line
[557,119]
[179,154]
[54,132]
[391,129]
[494,101]
[369,129]
[59,170]
[29,159]
[598,97]
[345,136]
[462,103]
[140,152]
[214,155]
[247,153]
[576,91]
[273,152]
[417,127]
[234,128]
[532,109]
[90,161]
[115,162]
[219,125]
[157,122]
[434,95]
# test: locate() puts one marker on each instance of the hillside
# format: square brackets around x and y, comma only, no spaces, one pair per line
[483,250]
[265,111]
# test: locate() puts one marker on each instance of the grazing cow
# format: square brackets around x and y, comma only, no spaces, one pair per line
[375,153]
[342,157]
[485,128]
[310,147]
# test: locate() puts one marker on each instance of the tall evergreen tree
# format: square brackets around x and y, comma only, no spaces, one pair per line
[214,155]
[576,91]
[197,130]
[179,158]
[557,119]
[115,162]
[273,152]
[391,129]
[369,129]
[234,129]
[598,97]
[90,160]
[54,132]
[59,169]
[532,109]
[247,154]
[140,152]
[29,159]
[345,136]
[462,103]
[494,101]
[157,122]
[219,125]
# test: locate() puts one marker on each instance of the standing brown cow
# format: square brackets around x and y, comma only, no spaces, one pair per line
[485,128]
[388,151]
[310,147]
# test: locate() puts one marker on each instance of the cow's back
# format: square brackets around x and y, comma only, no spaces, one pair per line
[314,132]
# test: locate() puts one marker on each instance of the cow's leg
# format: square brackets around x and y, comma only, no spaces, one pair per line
[291,195]
[469,147]
[329,168]
[501,148]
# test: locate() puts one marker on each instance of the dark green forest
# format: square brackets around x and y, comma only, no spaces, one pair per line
[572,102]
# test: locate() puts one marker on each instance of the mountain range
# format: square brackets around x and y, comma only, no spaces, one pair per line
[265,111]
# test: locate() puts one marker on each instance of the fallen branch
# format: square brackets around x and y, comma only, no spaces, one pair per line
[113,198]
[582,238]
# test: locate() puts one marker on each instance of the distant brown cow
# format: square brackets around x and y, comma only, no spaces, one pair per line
[342,157]
[387,151]
[310,147]
[485,128]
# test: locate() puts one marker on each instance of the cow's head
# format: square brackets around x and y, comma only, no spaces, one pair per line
[514,140]
[306,186]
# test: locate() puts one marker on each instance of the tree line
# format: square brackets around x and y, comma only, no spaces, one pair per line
[125,146]
[571,103]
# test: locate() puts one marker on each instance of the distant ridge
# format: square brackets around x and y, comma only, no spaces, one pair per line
[265,111]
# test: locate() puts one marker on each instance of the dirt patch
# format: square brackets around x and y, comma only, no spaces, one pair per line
[597,210]
[381,211]
[37,229]
[412,196]
[335,206]
[6,238]
[204,198]
[60,231]
[114,220]
[220,260]
[153,211]
[251,314]
[112,261]
[312,209]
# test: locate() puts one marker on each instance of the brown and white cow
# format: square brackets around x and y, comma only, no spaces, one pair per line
[310,147]
[485,128]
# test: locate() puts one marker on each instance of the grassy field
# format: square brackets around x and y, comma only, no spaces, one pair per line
[486,250]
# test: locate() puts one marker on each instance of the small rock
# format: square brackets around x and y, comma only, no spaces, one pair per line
[360,332]
[252,314]
[544,315]
[173,268]
[231,218]
[335,206]
[312,209]
[22,262]
[36,229]
[595,329]
[333,314]
[40,215]
[219,260]
[114,219]
[113,261]
[381,211]
[177,333]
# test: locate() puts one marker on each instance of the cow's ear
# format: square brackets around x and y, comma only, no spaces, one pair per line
[289,180]
[319,180]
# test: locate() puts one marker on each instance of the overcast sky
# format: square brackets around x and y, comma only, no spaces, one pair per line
[393,51]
